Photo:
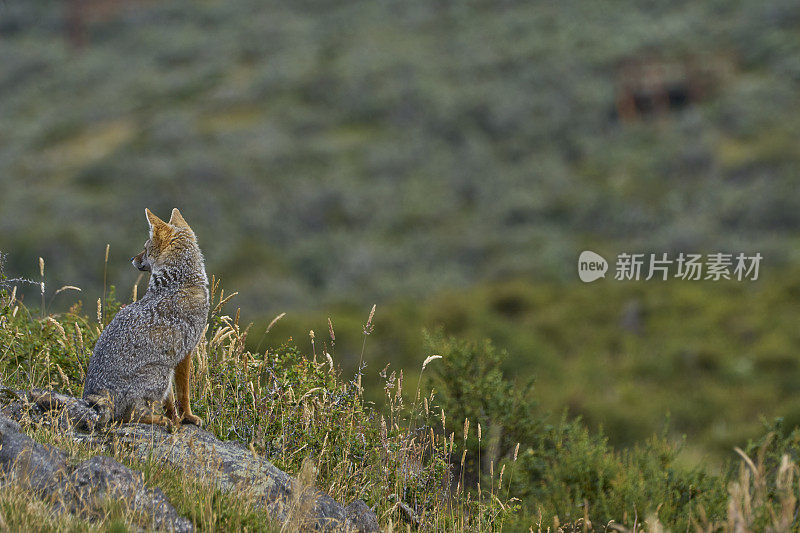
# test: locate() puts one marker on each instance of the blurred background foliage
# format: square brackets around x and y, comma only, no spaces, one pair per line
[446,160]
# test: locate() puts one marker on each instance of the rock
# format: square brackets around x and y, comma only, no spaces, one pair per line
[408,514]
[362,517]
[80,489]
[40,466]
[103,477]
[228,464]
[233,467]
[72,411]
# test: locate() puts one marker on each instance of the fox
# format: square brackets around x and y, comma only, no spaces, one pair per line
[150,342]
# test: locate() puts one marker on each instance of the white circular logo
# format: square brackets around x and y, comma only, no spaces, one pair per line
[591,266]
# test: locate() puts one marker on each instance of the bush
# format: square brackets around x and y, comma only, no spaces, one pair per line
[563,471]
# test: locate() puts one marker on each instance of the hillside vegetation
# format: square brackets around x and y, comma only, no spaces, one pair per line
[711,360]
[475,453]
[362,150]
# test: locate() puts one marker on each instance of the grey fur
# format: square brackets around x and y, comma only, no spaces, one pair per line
[135,357]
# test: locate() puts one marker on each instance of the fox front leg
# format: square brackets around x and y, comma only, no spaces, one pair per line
[183,373]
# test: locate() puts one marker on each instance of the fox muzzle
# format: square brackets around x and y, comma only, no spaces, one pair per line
[140,263]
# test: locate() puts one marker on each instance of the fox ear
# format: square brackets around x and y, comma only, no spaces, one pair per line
[176,219]
[159,230]
[153,220]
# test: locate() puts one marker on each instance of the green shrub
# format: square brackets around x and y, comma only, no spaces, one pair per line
[561,469]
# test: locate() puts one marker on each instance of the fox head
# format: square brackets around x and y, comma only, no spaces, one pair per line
[171,244]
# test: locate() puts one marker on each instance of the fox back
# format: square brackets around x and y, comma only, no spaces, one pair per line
[135,357]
